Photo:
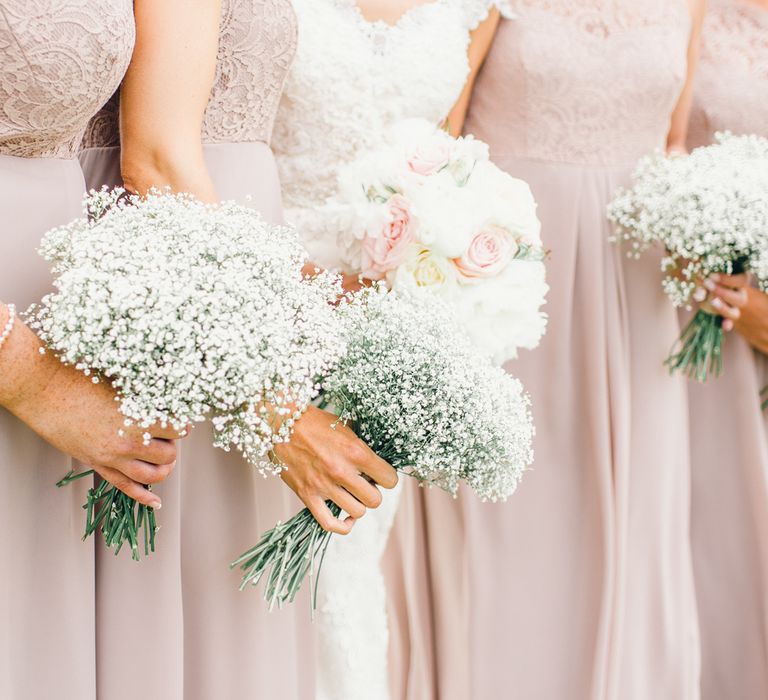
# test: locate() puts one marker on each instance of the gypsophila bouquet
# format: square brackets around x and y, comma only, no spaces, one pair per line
[192,312]
[709,211]
[428,211]
[417,391]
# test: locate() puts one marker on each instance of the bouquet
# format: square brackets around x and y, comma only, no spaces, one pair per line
[709,211]
[421,396]
[191,312]
[428,211]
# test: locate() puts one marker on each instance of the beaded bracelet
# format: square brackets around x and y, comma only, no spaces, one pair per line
[8,326]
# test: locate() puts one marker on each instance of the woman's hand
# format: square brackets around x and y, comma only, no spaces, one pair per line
[81,418]
[325,460]
[742,307]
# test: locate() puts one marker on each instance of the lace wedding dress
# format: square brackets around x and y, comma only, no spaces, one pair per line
[350,80]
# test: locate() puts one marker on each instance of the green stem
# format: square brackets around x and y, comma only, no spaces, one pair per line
[700,348]
[119,517]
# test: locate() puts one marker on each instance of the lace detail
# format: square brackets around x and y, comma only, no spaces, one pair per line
[342,94]
[256,47]
[352,614]
[257,41]
[732,78]
[60,62]
[560,70]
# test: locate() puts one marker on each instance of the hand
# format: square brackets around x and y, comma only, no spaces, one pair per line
[81,418]
[354,283]
[325,460]
[743,308]
[727,296]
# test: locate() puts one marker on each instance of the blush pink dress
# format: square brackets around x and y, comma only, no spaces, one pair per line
[178,616]
[580,587]
[59,62]
[729,445]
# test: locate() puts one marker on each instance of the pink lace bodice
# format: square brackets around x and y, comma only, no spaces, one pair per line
[732,80]
[257,42]
[60,60]
[589,82]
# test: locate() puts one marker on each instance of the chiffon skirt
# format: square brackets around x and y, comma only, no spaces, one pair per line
[175,626]
[46,571]
[580,586]
[729,456]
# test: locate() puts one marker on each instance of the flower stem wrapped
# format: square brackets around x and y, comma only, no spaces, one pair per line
[424,399]
[192,312]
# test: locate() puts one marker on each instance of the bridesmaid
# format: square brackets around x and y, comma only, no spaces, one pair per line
[581,586]
[197,116]
[61,61]
[729,445]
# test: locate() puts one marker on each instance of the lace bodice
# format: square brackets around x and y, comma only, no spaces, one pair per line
[352,78]
[732,79]
[60,61]
[589,82]
[257,41]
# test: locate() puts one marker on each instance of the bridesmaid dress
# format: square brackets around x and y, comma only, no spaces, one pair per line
[729,445]
[340,97]
[178,616]
[581,586]
[61,59]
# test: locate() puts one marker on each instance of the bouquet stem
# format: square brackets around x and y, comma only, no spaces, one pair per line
[286,554]
[700,353]
[119,517]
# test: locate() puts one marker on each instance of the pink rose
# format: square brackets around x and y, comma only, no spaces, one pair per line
[489,253]
[430,159]
[387,250]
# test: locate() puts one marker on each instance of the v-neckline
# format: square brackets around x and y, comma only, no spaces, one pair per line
[382,24]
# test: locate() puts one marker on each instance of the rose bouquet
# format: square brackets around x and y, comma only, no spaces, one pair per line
[430,211]
[420,395]
[709,211]
[192,312]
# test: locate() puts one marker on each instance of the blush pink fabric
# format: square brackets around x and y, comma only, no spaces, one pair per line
[59,62]
[179,615]
[581,585]
[729,446]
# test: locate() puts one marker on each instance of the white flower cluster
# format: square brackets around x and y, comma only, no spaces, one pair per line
[709,210]
[192,311]
[425,400]
[426,210]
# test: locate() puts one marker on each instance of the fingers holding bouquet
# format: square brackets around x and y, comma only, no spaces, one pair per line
[326,461]
[728,296]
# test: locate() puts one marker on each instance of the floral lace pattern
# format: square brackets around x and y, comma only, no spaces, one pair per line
[257,41]
[565,89]
[732,79]
[60,62]
[351,79]
[341,94]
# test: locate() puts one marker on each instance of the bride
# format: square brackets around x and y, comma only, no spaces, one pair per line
[360,66]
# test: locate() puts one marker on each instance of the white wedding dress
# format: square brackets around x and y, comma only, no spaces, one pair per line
[350,80]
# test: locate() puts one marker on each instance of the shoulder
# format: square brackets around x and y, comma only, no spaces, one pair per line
[474,12]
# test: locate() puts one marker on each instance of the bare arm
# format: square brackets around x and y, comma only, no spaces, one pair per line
[480,43]
[165,93]
[678,131]
[78,417]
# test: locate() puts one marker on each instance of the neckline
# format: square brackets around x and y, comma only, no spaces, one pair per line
[382,24]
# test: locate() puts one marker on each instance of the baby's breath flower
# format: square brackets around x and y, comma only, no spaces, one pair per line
[709,212]
[422,396]
[191,311]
